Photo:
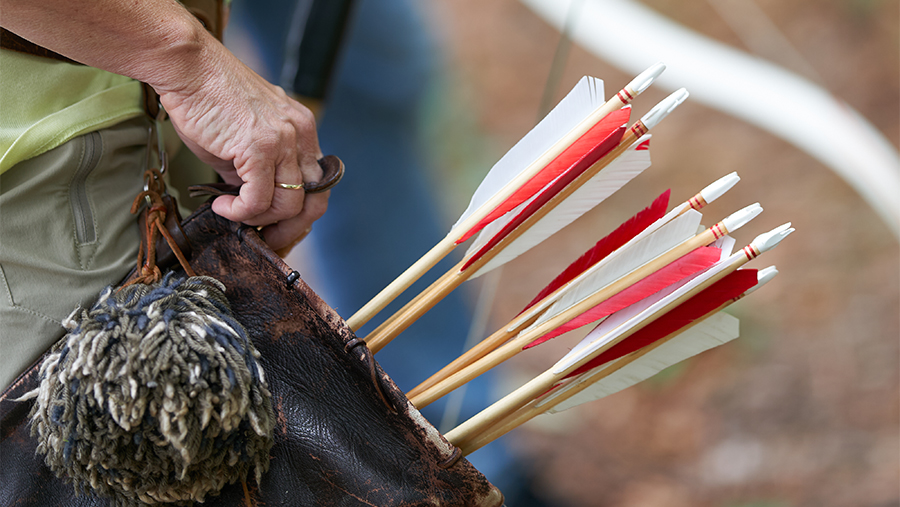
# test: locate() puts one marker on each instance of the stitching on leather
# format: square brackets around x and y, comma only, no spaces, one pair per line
[291,278]
[370,363]
[452,459]
[258,243]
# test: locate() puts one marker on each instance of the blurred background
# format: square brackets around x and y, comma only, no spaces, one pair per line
[802,410]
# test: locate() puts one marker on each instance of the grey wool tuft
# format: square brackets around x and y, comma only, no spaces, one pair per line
[154,396]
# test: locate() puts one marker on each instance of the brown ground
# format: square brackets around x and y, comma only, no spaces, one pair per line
[803,409]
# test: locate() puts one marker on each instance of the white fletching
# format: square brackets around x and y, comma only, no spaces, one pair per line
[646,78]
[740,218]
[717,188]
[717,329]
[625,260]
[713,331]
[622,321]
[726,245]
[763,277]
[655,226]
[619,172]
[584,98]
[661,110]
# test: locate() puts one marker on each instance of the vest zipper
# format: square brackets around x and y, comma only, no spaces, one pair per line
[85,231]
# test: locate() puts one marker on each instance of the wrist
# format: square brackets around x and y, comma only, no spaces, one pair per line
[186,56]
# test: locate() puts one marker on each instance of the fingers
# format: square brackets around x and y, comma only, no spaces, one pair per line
[253,202]
[288,232]
[290,213]
[262,201]
[256,136]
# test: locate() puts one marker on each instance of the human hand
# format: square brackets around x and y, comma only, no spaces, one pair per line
[255,136]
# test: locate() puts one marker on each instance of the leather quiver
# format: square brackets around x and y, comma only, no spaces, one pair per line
[345,434]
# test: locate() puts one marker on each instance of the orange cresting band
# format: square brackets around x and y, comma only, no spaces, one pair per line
[625,96]
[639,129]
[718,230]
[750,252]
[697,202]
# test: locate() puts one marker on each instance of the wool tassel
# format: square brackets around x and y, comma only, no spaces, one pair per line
[154,396]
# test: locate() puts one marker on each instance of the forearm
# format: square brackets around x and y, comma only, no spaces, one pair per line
[155,41]
[250,131]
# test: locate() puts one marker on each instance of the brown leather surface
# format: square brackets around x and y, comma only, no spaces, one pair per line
[333,171]
[337,441]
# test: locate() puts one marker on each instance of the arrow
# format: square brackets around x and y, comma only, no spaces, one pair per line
[501,184]
[620,328]
[637,244]
[521,230]
[712,330]
[651,253]
[629,229]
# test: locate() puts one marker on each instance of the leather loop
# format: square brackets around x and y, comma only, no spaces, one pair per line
[331,165]
[452,459]
[333,168]
[373,373]
[214,190]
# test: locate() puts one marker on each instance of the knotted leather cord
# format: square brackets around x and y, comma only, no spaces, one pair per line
[155,214]
[452,459]
[370,362]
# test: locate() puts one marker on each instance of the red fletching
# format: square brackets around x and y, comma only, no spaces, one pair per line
[537,203]
[693,262]
[714,296]
[586,150]
[613,241]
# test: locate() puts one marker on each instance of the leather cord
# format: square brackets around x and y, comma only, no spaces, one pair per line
[370,362]
[153,225]
[332,167]
[452,459]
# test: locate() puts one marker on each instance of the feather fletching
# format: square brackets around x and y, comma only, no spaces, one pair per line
[715,330]
[574,160]
[729,287]
[577,105]
[689,264]
[619,172]
[629,229]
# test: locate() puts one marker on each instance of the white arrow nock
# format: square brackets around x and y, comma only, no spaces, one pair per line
[717,188]
[661,110]
[769,240]
[646,78]
[740,218]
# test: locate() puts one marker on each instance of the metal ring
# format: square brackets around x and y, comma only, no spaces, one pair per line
[333,171]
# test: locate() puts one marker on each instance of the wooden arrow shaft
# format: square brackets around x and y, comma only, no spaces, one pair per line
[444,247]
[463,434]
[401,320]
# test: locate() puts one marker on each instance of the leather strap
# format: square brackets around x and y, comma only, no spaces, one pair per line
[163,241]
[332,167]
